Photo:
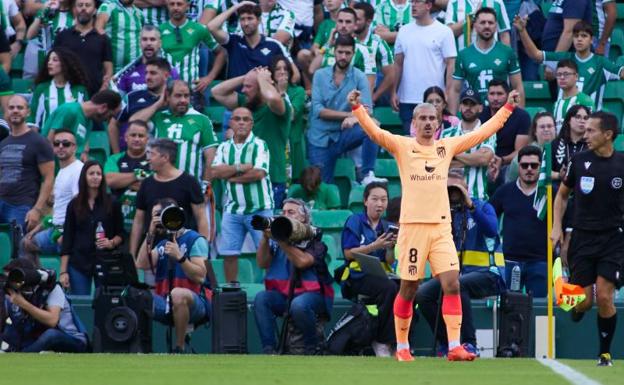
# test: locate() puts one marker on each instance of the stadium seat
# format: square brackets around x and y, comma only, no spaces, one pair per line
[99,146]
[344,177]
[387,168]
[17,66]
[537,94]
[333,250]
[331,222]
[534,110]
[22,86]
[245,270]
[51,263]
[619,143]
[215,113]
[356,199]
[617,44]
[388,119]
[6,246]
[613,98]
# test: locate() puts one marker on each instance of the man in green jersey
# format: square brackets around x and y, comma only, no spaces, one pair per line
[277,23]
[79,117]
[390,16]
[591,67]
[154,11]
[485,60]
[567,78]
[461,14]
[181,38]
[121,21]
[272,118]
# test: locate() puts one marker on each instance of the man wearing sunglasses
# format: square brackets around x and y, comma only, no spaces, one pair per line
[523,232]
[46,237]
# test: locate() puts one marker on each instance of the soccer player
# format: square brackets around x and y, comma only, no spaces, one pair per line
[121,21]
[425,232]
[597,246]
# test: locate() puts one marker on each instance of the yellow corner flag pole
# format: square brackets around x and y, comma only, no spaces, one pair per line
[549,250]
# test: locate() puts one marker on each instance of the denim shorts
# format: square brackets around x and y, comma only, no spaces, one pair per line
[43,240]
[199,312]
[234,227]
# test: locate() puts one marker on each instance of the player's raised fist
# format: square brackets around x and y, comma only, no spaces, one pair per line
[354,98]
[514,98]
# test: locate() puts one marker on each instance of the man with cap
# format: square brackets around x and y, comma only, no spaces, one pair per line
[473,163]
[482,263]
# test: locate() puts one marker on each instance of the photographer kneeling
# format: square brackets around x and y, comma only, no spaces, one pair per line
[182,295]
[296,271]
[42,318]
[475,234]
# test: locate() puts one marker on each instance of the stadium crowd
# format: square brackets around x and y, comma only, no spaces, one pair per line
[114,110]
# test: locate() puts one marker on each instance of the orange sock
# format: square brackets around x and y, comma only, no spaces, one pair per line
[403,310]
[452,314]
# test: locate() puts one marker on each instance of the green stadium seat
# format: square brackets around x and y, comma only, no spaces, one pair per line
[6,245]
[388,119]
[356,199]
[17,66]
[619,143]
[534,110]
[613,98]
[617,44]
[99,147]
[22,86]
[217,267]
[387,168]
[330,219]
[215,113]
[51,263]
[344,178]
[537,94]
[245,270]
[333,249]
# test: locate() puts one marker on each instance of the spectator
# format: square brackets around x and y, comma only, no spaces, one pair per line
[154,12]
[523,231]
[243,164]
[91,208]
[434,95]
[288,265]
[14,25]
[180,43]
[333,130]
[458,13]
[121,21]
[187,299]
[560,21]
[79,117]
[60,80]
[305,14]
[514,134]
[603,22]
[473,164]
[46,238]
[215,7]
[167,182]
[189,129]
[368,233]
[157,71]
[567,76]
[391,15]
[482,263]
[282,75]
[542,131]
[26,169]
[251,49]
[485,60]
[591,68]
[6,87]
[378,49]
[277,23]
[92,48]
[272,118]
[133,76]
[423,52]
[316,194]
[41,322]
[126,170]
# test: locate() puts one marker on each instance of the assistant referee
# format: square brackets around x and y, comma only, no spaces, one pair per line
[596,253]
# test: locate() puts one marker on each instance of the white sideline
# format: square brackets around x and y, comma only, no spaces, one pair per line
[571,375]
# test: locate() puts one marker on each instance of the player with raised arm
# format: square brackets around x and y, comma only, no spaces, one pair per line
[425,231]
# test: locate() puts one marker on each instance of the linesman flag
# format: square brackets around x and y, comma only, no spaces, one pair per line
[539,202]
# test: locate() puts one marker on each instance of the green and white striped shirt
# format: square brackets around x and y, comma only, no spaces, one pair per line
[562,105]
[246,198]
[392,15]
[123,28]
[192,132]
[459,10]
[50,28]
[476,177]
[362,59]
[380,50]
[48,96]
[155,15]
[278,19]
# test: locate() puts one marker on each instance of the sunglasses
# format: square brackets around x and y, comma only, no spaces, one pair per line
[532,166]
[63,143]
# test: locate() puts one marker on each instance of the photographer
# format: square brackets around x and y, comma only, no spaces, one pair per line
[296,273]
[475,234]
[41,317]
[181,296]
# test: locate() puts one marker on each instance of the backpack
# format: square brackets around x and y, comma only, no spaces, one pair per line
[353,333]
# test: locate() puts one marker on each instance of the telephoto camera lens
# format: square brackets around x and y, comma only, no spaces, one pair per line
[260,223]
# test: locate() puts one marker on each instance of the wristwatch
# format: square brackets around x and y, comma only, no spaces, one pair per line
[183,259]
[239,172]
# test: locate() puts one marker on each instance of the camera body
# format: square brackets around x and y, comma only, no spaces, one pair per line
[456,199]
[26,280]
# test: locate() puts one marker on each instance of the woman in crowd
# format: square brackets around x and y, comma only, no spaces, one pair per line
[570,140]
[61,80]
[318,195]
[282,74]
[91,211]
[367,233]
[434,95]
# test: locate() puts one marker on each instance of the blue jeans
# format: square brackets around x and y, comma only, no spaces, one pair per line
[474,285]
[9,212]
[234,227]
[57,341]
[532,276]
[304,310]
[406,111]
[79,282]
[44,242]
[350,138]
[279,194]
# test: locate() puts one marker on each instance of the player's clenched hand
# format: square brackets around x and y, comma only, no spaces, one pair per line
[354,98]
[514,98]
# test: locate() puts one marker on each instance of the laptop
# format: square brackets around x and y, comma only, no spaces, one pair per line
[370,265]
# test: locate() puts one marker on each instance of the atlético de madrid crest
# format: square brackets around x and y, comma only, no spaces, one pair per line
[441,152]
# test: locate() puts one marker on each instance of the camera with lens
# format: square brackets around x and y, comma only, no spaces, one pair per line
[172,219]
[26,280]
[260,223]
[286,229]
[457,200]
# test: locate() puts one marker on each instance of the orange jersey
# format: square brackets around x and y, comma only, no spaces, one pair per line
[424,169]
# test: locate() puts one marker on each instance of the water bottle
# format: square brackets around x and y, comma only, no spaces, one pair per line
[515,278]
[99,232]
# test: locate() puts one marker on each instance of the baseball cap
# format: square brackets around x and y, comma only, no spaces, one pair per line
[470,94]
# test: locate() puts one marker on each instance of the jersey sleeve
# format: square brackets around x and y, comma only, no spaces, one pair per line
[288,23]
[199,248]
[513,66]
[219,158]
[106,9]
[207,38]
[556,56]
[57,120]
[34,106]
[610,66]
[463,143]
[262,159]
[458,73]
[111,164]
[382,137]
[448,46]
[208,138]
[384,56]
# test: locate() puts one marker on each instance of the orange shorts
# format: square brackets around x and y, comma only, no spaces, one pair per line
[419,242]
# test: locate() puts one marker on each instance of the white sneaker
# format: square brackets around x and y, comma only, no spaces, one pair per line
[370,178]
[381,350]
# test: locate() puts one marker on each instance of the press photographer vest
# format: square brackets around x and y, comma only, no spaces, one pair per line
[185,243]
